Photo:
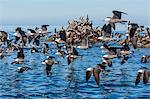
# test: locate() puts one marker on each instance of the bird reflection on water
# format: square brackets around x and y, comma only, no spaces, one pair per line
[72,81]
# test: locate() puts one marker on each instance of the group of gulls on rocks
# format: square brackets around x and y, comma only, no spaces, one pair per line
[80,34]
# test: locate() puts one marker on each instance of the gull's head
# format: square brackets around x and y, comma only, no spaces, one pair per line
[47,56]
[107,19]
[17,59]
[100,38]
[46,61]
[105,56]
[127,34]
[140,71]
[43,63]
[19,68]
[102,47]
[104,61]
[89,69]
[143,56]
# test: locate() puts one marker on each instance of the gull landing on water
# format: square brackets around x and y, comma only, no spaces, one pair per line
[106,59]
[142,74]
[145,58]
[95,72]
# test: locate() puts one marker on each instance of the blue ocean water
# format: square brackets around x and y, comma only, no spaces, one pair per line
[68,82]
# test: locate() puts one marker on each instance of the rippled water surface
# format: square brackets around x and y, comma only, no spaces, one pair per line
[69,81]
